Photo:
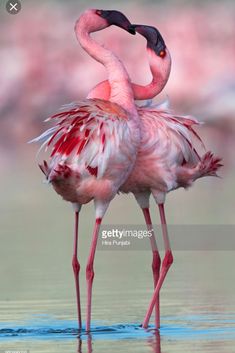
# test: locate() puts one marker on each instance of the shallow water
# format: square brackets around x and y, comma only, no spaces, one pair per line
[191,333]
[37,302]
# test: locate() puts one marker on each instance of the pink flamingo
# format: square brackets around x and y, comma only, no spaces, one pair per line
[160,69]
[94,142]
[167,158]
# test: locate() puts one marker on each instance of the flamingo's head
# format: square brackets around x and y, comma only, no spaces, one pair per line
[158,54]
[94,20]
[153,37]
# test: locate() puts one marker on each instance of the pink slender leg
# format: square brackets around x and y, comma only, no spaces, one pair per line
[156,263]
[76,269]
[167,261]
[90,271]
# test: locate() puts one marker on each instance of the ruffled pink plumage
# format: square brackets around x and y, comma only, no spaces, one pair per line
[167,158]
[91,149]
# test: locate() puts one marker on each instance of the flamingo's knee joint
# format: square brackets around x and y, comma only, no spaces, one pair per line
[90,272]
[156,263]
[168,259]
[76,265]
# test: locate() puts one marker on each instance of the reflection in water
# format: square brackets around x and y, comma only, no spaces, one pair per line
[79,350]
[179,333]
[89,344]
[154,342]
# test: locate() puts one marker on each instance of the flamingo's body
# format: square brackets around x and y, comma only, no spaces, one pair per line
[167,157]
[94,142]
[91,153]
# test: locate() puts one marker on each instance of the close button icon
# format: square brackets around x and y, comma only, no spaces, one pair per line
[13,7]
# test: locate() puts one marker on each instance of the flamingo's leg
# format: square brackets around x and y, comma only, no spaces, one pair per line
[90,271]
[167,261]
[76,269]
[156,262]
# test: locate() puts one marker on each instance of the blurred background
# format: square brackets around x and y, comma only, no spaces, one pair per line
[42,68]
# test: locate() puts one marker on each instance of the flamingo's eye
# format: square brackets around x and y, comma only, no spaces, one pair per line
[162,53]
[99,12]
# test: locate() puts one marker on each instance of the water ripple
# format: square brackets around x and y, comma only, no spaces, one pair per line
[119,331]
[213,327]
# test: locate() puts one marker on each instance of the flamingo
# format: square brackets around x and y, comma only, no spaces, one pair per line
[167,158]
[160,69]
[93,142]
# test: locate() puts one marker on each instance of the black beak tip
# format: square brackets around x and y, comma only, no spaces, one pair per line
[131,29]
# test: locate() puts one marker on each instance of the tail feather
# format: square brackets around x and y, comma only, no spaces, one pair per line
[58,172]
[209,165]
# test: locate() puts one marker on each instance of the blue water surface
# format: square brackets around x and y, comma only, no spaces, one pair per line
[194,327]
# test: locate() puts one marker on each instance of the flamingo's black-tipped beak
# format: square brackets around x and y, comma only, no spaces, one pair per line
[153,37]
[132,29]
[116,18]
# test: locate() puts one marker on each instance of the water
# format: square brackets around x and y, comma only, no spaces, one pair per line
[203,332]
[37,299]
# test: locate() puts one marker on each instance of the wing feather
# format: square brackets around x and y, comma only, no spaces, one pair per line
[86,133]
[179,131]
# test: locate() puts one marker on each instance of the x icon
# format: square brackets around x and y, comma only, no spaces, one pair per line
[13,6]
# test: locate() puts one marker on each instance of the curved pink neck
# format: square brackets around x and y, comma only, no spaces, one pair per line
[120,87]
[160,77]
